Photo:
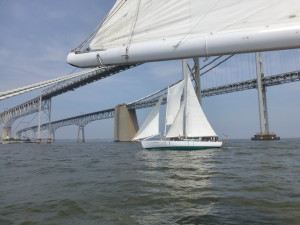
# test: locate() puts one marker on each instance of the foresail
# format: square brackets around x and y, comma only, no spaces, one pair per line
[151,125]
[197,124]
[173,102]
[176,129]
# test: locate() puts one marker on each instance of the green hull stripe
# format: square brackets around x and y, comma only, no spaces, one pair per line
[186,148]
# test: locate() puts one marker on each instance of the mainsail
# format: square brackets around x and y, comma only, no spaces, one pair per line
[151,125]
[152,30]
[196,122]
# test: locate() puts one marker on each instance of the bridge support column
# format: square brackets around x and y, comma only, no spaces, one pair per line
[6,133]
[126,124]
[52,135]
[262,101]
[81,130]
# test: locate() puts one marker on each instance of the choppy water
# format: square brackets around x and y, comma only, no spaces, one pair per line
[245,182]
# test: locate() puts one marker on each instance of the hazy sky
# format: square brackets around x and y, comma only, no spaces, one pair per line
[36,37]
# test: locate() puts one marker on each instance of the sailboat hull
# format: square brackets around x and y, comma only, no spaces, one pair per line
[180,145]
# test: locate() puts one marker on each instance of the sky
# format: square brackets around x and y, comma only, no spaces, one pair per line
[36,37]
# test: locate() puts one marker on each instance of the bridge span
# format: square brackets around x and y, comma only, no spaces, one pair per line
[43,102]
[82,120]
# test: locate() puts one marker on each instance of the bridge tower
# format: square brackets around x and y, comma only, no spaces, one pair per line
[125,124]
[197,79]
[262,101]
[81,131]
[46,109]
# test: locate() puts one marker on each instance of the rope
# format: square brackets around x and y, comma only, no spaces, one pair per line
[106,18]
[216,65]
[132,28]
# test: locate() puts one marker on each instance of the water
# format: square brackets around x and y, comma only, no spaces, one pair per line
[245,182]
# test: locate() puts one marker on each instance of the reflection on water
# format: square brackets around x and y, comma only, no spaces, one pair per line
[120,183]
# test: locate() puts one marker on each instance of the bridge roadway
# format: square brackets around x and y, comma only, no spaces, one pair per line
[9,116]
[84,119]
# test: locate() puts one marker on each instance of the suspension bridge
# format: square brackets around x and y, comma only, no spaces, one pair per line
[234,80]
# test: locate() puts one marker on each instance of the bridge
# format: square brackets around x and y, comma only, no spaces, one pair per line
[82,120]
[43,102]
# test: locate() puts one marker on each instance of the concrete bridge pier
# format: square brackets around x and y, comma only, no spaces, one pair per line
[80,131]
[125,124]
[6,133]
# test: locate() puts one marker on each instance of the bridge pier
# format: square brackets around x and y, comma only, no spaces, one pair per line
[53,135]
[6,133]
[125,124]
[262,101]
[80,131]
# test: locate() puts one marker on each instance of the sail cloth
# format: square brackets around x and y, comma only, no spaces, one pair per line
[148,20]
[190,120]
[197,124]
[150,127]
[173,102]
[176,129]
[153,30]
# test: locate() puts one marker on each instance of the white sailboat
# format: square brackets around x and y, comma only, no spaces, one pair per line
[186,126]
[138,31]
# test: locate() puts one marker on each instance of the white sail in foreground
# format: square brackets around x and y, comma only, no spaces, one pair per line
[173,102]
[176,129]
[196,122]
[153,30]
[151,125]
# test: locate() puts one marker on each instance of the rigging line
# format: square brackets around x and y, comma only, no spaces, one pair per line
[133,28]
[107,17]
[210,62]
[247,16]
[200,20]
[216,65]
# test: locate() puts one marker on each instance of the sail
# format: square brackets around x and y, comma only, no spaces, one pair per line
[151,125]
[173,102]
[176,129]
[148,20]
[154,30]
[197,124]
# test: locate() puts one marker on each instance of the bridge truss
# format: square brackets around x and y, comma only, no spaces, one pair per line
[150,101]
[8,117]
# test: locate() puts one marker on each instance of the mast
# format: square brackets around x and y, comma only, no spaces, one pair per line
[185,74]
[165,133]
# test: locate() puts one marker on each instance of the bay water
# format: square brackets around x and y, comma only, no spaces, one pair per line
[103,182]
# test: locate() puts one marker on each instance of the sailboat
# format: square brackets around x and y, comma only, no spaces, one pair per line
[186,126]
[139,31]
